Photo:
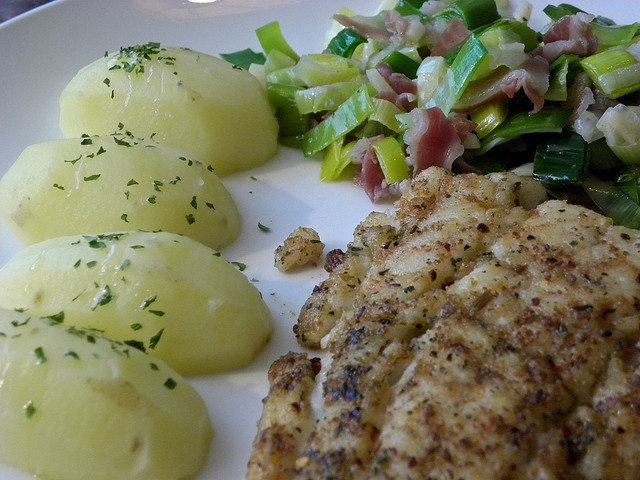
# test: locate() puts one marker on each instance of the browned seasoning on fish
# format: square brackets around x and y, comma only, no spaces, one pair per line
[468,337]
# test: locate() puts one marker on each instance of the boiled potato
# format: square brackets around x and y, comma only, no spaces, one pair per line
[76,406]
[186,99]
[168,294]
[115,182]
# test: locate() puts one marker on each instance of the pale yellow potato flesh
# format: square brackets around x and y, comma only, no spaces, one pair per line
[186,99]
[180,300]
[76,406]
[115,182]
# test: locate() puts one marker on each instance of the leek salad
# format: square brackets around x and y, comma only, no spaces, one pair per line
[467,85]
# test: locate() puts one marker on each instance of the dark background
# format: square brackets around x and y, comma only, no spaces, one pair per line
[11,8]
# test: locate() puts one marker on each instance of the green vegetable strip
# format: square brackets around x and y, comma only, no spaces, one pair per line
[601,157]
[525,34]
[474,13]
[290,121]
[488,117]
[385,112]
[391,159]
[271,38]
[410,7]
[614,35]
[459,75]
[627,181]
[347,117]
[555,13]
[562,160]
[613,202]
[559,78]
[325,68]
[345,42]
[325,97]
[401,63]
[244,58]
[551,120]
[337,158]
[615,72]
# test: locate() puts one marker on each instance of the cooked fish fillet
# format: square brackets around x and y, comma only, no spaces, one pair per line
[468,337]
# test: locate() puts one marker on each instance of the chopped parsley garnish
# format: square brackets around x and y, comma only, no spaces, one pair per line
[153,341]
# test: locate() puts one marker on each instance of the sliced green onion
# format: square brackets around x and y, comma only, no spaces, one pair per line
[458,75]
[244,58]
[559,77]
[385,112]
[325,97]
[555,13]
[346,118]
[474,13]
[271,38]
[489,116]
[337,158]
[621,128]
[627,181]
[345,42]
[276,60]
[401,63]
[614,35]
[561,160]
[601,157]
[391,159]
[613,202]
[615,72]
[523,32]
[290,121]
[548,120]
[410,7]
[325,68]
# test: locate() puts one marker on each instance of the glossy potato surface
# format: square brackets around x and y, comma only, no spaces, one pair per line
[186,99]
[115,182]
[76,406]
[165,293]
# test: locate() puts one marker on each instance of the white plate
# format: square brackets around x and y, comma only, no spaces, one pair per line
[40,52]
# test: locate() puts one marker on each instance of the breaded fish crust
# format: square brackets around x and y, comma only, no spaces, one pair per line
[467,335]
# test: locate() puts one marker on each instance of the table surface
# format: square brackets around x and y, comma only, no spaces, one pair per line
[11,8]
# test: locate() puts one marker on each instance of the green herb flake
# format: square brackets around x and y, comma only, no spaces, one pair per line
[125,264]
[170,383]
[132,182]
[136,326]
[158,313]
[157,184]
[194,202]
[190,218]
[59,187]
[91,178]
[154,366]
[153,341]
[124,217]
[137,344]
[100,151]
[148,302]
[210,205]
[77,264]
[40,356]
[152,199]
[95,241]
[72,354]
[56,318]
[103,297]
[107,82]
[29,409]
[241,266]
[135,247]
[263,228]
[86,141]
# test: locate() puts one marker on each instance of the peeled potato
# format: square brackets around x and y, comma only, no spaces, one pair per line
[170,295]
[115,182]
[185,99]
[77,406]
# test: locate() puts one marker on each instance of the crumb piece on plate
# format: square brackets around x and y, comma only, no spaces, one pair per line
[302,247]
